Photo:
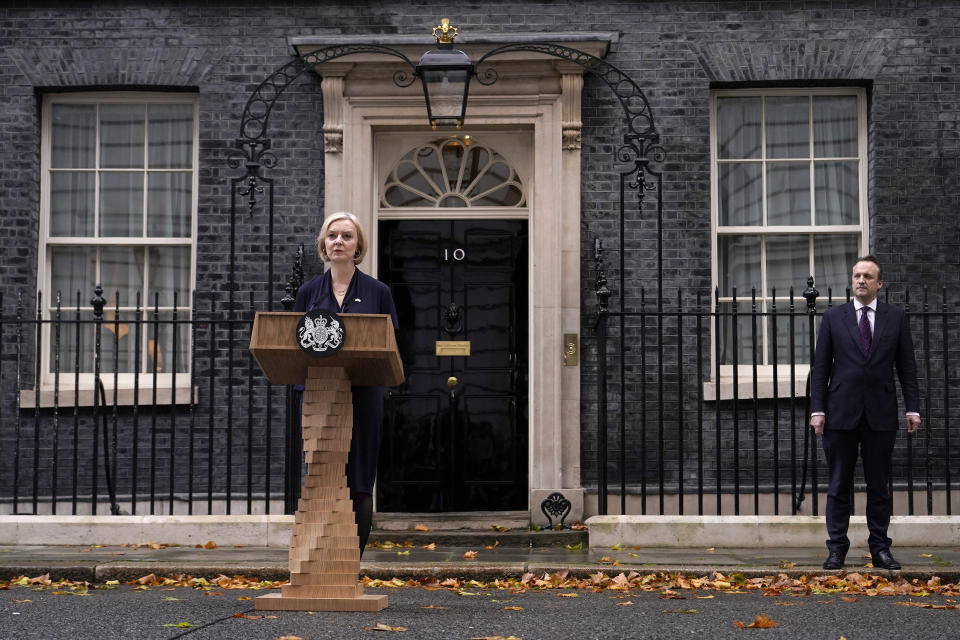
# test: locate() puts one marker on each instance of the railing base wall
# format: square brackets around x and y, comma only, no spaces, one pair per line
[262,531]
[762,532]
[671,503]
[181,507]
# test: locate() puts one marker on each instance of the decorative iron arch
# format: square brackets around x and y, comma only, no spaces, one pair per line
[253,146]
[639,149]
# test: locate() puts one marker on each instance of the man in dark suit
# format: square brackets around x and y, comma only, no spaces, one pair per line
[854,406]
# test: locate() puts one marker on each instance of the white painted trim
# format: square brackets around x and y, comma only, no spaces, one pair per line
[370,106]
[45,240]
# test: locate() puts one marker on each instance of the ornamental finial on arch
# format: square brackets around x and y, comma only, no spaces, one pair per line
[445,32]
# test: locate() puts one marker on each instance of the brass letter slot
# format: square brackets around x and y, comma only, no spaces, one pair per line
[453,347]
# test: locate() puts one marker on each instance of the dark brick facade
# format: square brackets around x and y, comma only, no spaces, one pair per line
[906,53]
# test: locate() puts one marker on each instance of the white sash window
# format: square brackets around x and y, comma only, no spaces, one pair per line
[118,208]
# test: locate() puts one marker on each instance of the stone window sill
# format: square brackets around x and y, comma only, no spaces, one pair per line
[764,383]
[83,397]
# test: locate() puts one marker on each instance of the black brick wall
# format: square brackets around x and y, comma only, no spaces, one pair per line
[907,53]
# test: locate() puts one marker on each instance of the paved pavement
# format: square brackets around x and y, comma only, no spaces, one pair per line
[98,564]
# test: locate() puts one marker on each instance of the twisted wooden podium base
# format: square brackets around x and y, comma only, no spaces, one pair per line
[324,546]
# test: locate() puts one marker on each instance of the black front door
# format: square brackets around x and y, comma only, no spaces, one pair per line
[455,433]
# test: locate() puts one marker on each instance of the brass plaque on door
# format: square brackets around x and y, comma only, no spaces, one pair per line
[453,347]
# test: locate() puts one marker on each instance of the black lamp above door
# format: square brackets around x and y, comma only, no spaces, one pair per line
[445,73]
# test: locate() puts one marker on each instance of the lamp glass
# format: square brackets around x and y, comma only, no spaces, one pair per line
[445,91]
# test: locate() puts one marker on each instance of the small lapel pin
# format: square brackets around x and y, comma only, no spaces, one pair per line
[356,299]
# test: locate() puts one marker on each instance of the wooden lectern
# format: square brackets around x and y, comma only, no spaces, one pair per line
[324,546]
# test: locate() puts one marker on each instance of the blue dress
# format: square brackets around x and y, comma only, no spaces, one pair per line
[364,295]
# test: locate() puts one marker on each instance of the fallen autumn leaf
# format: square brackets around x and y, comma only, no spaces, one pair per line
[759,622]
[384,627]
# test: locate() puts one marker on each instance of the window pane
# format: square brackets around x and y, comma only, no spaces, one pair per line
[72,269]
[746,346]
[68,343]
[121,135]
[160,343]
[73,135]
[429,162]
[835,126]
[477,160]
[779,325]
[118,337]
[171,136]
[738,127]
[741,194]
[452,152]
[788,263]
[121,269]
[168,205]
[837,192]
[121,204]
[169,272]
[400,197]
[788,193]
[71,203]
[739,264]
[508,196]
[788,131]
[833,259]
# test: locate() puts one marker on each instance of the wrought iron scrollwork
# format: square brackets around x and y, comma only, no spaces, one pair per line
[253,145]
[555,505]
[641,135]
[252,149]
[640,144]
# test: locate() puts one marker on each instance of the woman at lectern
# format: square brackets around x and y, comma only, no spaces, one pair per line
[343,288]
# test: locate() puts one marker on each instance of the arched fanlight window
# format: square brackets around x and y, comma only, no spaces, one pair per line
[453,172]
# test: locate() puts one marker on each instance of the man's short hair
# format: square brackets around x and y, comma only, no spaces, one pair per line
[871,258]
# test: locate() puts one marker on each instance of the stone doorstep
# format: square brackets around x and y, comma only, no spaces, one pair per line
[759,531]
[523,538]
[452,521]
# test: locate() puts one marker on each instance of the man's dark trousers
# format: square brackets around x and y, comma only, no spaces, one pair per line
[841,448]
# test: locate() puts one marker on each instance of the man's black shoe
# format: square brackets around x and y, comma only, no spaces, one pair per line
[834,561]
[884,560]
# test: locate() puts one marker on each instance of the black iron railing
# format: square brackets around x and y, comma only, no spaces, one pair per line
[702,405]
[164,411]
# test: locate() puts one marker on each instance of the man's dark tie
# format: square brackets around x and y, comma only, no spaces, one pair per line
[866,337]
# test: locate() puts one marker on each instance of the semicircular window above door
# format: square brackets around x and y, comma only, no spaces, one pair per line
[452,172]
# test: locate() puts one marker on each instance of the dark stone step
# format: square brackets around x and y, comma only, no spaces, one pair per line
[482,538]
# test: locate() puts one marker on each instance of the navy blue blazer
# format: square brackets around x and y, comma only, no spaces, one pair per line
[364,295]
[848,385]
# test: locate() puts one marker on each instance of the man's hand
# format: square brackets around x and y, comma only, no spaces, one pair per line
[817,423]
[913,423]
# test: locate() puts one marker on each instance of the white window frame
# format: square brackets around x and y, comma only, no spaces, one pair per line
[765,371]
[125,382]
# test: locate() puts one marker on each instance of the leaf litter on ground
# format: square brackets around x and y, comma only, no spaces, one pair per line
[667,584]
